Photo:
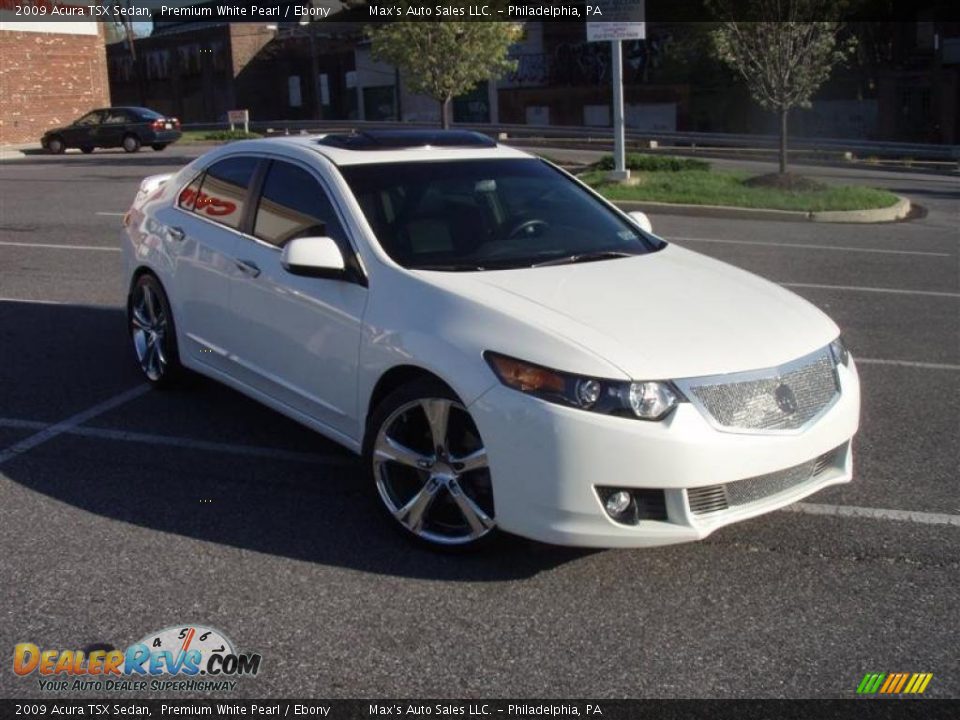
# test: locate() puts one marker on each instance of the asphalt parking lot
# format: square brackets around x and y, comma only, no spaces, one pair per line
[124,511]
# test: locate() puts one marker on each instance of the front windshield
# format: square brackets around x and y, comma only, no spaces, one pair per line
[488,215]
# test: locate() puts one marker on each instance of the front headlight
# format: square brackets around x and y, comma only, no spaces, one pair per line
[841,356]
[650,400]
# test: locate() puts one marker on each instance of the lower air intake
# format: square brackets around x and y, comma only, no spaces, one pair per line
[714,498]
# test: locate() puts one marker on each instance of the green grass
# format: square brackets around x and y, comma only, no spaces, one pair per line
[190,136]
[698,187]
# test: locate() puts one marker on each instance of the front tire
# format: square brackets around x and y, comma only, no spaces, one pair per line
[56,146]
[131,143]
[428,467]
[153,333]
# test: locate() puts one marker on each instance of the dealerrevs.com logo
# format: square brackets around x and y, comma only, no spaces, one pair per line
[182,658]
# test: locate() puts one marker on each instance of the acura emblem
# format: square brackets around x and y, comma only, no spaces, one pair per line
[786,400]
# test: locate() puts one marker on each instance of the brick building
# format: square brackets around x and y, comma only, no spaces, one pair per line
[50,74]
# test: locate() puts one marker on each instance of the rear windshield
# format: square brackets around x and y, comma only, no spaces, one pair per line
[146,114]
[487,214]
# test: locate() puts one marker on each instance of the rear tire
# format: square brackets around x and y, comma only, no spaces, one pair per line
[427,468]
[131,143]
[86,149]
[153,333]
[159,146]
[56,146]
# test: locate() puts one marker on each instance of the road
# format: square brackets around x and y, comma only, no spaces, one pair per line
[127,511]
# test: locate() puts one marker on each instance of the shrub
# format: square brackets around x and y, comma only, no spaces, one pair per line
[655,163]
[231,135]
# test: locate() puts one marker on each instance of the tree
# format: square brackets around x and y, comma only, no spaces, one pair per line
[784,52]
[448,58]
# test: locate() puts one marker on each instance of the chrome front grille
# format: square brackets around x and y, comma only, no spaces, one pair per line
[780,399]
[713,498]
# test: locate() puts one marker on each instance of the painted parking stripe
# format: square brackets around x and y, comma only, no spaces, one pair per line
[71,422]
[28,300]
[858,288]
[806,246]
[187,443]
[56,246]
[913,516]
[906,363]
[110,214]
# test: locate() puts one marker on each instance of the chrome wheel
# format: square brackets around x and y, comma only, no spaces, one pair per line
[431,471]
[148,327]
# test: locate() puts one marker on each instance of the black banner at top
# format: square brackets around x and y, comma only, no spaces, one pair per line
[381,11]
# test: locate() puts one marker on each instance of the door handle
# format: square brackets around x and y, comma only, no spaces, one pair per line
[176,233]
[248,267]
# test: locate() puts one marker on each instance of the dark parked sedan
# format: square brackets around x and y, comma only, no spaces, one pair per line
[126,127]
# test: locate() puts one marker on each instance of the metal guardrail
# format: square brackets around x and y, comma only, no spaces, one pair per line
[571,134]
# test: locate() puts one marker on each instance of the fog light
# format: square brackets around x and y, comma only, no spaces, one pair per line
[618,502]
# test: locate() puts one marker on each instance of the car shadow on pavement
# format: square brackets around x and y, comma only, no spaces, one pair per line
[307,502]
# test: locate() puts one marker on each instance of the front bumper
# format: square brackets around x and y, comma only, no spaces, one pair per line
[546,461]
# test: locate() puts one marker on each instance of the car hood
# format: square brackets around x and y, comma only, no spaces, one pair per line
[669,314]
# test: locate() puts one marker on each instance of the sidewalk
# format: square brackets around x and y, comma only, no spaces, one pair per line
[11,152]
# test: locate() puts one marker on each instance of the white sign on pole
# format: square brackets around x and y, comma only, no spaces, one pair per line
[239,116]
[617,20]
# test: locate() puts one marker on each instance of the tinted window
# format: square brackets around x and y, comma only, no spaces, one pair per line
[189,194]
[224,190]
[294,204]
[146,114]
[487,214]
[116,117]
[92,118]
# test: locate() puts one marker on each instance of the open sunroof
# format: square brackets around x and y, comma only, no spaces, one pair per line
[399,139]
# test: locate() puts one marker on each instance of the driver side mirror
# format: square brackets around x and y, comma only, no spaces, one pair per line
[641,219]
[318,257]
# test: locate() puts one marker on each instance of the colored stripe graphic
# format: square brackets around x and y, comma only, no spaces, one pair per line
[870,683]
[894,683]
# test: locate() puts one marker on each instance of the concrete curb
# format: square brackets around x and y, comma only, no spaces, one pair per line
[897,211]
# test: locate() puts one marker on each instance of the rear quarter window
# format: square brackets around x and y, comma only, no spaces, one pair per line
[223,192]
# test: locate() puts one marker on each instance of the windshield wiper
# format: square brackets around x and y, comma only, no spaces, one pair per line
[585,257]
[451,267]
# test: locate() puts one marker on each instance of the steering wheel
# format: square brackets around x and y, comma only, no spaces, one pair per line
[528,227]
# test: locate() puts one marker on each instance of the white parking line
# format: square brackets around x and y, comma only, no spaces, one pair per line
[914,516]
[55,246]
[805,246]
[182,442]
[69,427]
[906,363]
[858,288]
[34,302]
[110,214]
[71,422]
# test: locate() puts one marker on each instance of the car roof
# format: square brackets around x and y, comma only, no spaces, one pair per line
[387,146]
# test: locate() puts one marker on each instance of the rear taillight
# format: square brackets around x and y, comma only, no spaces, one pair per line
[176,123]
[157,125]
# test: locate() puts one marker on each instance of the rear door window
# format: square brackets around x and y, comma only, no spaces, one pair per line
[223,192]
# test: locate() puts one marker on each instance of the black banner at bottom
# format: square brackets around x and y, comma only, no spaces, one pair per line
[858,709]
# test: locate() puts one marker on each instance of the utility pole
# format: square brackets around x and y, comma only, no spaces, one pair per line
[620,171]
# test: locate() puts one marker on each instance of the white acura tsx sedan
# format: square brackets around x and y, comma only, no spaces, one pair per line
[505,349]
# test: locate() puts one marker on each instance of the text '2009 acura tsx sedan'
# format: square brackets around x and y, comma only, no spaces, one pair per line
[505,349]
